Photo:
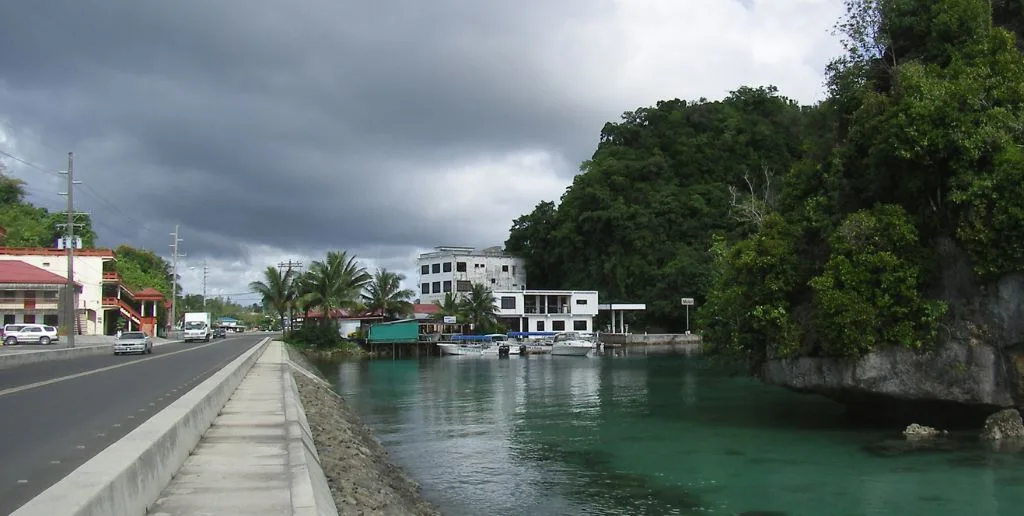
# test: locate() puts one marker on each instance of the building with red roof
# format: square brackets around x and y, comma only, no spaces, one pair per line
[32,277]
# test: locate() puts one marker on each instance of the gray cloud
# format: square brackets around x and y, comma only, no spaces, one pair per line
[302,125]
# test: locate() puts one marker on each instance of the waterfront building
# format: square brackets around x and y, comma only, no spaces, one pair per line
[456,269]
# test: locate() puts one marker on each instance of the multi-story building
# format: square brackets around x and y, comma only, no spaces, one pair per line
[456,269]
[101,301]
[547,310]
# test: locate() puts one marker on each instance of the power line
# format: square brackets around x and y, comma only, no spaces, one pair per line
[27,163]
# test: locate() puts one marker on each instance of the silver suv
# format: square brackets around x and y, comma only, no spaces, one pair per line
[29,333]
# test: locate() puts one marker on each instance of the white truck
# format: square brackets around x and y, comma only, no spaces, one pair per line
[197,327]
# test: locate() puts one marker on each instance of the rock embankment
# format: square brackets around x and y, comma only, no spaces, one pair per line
[362,478]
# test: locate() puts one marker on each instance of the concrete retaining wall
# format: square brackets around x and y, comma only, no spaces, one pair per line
[632,339]
[30,357]
[128,476]
[311,495]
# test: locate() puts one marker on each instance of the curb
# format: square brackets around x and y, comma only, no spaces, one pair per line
[44,355]
[128,476]
[311,495]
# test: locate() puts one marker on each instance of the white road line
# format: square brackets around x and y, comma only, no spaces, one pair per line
[43,383]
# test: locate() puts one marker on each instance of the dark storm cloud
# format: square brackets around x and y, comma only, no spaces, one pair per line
[283,123]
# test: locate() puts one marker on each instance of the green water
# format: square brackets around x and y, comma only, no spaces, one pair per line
[652,435]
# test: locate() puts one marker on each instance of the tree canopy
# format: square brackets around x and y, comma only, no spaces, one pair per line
[820,230]
[31,226]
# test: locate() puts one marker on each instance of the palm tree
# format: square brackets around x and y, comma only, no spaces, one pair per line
[479,309]
[384,294]
[276,289]
[335,282]
[449,306]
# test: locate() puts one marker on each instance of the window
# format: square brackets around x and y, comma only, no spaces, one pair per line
[540,325]
[447,286]
[508,302]
[581,301]
[579,325]
[436,287]
[8,319]
[504,268]
[424,288]
[424,269]
[447,266]
[435,268]
[557,325]
[46,264]
[9,294]
[29,319]
[464,286]
[460,266]
[50,320]
[493,281]
[49,294]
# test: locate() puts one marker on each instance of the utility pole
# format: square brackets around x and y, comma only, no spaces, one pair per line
[174,277]
[70,295]
[289,264]
[206,271]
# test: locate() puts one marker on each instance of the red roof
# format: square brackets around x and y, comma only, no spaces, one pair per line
[16,271]
[341,313]
[425,308]
[148,293]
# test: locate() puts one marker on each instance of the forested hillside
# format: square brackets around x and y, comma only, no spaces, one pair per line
[789,224]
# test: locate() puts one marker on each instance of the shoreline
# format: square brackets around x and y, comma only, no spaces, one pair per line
[362,478]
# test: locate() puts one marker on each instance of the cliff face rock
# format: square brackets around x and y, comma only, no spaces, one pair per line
[979,360]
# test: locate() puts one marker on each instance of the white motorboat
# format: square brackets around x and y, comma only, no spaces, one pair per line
[500,345]
[571,344]
[455,348]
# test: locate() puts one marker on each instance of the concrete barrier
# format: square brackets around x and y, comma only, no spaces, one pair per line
[17,358]
[128,476]
[311,495]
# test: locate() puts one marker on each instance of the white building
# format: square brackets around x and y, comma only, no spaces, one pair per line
[456,269]
[547,310]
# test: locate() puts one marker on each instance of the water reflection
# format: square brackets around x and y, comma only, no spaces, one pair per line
[650,435]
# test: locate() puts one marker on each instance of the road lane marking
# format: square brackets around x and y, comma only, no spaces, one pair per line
[44,383]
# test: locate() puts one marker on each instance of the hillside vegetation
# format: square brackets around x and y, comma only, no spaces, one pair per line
[810,230]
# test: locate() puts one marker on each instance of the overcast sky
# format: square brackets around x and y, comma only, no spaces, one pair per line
[273,130]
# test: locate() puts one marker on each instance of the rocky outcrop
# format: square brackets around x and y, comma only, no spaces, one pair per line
[916,431]
[978,362]
[1005,424]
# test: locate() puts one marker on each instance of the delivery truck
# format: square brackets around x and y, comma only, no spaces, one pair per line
[197,327]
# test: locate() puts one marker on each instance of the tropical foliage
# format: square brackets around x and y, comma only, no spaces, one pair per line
[384,295]
[31,226]
[476,307]
[826,230]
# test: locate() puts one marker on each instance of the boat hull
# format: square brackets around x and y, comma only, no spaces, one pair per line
[571,351]
[455,349]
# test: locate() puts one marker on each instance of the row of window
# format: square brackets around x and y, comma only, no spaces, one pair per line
[49,320]
[560,326]
[438,287]
[30,294]
[438,268]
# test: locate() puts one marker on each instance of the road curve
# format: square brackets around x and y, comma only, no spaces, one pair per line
[56,415]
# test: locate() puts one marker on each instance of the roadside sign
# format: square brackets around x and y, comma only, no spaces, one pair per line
[449,319]
[687,301]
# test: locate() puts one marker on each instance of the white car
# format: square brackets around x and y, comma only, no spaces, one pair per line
[29,334]
[133,342]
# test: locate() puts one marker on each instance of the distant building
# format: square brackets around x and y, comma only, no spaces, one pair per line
[547,310]
[456,269]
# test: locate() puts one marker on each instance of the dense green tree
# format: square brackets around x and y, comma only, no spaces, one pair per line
[31,226]
[637,220]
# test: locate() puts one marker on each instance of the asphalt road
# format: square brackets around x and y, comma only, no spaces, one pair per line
[56,415]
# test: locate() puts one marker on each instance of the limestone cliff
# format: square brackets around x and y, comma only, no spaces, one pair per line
[978,362]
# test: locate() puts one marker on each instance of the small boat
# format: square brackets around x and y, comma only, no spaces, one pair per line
[499,345]
[453,348]
[571,344]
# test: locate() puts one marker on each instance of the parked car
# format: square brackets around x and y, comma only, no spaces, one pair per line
[133,342]
[29,334]
[220,333]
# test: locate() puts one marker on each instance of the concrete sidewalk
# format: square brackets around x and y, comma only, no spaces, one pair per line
[258,455]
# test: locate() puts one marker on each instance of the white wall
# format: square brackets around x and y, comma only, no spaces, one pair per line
[496,272]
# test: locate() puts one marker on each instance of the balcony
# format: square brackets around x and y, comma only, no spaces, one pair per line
[111,277]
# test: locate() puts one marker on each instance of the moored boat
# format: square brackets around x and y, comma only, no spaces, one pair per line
[571,344]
